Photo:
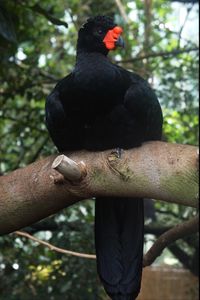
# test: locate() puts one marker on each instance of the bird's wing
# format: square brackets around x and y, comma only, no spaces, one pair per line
[143,105]
[64,127]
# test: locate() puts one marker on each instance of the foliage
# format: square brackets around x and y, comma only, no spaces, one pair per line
[37,48]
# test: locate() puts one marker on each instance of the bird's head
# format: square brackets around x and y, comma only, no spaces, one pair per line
[100,34]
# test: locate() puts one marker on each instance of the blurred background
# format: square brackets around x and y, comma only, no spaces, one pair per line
[37,48]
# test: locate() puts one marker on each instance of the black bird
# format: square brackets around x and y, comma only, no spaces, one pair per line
[99,106]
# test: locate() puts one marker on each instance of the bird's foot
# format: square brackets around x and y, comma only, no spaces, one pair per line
[117,152]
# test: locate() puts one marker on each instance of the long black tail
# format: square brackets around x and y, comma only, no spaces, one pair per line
[119,245]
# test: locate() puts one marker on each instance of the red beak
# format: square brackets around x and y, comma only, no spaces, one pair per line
[113,38]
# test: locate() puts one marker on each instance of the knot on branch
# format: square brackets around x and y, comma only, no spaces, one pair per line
[119,165]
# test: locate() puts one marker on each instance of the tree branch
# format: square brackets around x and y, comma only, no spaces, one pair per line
[177,232]
[167,238]
[185,1]
[161,54]
[183,25]
[156,170]
[156,230]
[54,248]
[189,261]
[122,10]
[37,8]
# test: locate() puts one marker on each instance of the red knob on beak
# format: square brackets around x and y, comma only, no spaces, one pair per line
[113,38]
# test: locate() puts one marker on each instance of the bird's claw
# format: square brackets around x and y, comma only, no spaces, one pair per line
[117,152]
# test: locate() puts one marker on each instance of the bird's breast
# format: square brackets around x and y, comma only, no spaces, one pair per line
[96,74]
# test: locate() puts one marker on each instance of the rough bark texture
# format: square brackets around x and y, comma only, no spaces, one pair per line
[156,170]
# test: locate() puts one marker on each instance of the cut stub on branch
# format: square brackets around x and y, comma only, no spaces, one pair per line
[69,168]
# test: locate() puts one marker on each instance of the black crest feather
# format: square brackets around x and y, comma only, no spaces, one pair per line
[99,20]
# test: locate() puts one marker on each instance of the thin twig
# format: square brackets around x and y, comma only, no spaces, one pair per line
[184,23]
[40,10]
[185,1]
[157,54]
[54,248]
[37,8]
[168,237]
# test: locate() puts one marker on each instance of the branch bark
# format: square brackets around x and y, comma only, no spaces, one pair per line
[170,236]
[156,170]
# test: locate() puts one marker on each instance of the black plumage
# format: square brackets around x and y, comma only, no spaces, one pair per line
[101,106]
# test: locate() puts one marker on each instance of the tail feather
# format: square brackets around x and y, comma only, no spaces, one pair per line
[119,245]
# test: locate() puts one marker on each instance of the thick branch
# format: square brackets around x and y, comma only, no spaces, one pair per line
[156,170]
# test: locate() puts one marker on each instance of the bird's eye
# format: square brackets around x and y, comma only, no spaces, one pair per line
[99,31]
